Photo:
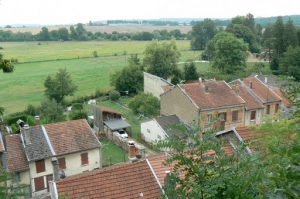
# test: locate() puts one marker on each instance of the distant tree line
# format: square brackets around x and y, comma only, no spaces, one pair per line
[149,22]
[79,33]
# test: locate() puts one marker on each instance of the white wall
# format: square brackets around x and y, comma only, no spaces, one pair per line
[73,166]
[258,120]
[151,131]
[153,84]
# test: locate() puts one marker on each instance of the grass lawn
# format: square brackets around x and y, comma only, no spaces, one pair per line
[25,85]
[112,153]
[131,118]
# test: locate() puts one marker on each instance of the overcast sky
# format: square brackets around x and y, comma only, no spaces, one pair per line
[73,11]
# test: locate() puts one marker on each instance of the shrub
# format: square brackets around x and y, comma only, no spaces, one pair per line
[114,95]
[95,54]
[145,103]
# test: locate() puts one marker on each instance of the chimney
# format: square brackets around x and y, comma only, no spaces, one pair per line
[37,120]
[251,86]
[200,79]
[266,80]
[132,151]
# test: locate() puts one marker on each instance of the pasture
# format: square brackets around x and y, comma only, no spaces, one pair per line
[25,85]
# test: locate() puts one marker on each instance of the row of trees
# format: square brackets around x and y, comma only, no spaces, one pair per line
[79,33]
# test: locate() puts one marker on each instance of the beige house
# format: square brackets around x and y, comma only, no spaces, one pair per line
[254,108]
[204,103]
[264,93]
[42,153]
[155,85]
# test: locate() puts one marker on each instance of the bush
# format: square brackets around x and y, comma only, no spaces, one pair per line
[114,95]
[95,54]
[146,104]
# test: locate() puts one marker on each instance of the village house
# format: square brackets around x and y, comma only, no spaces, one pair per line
[254,108]
[155,85]
[270,100]
[160,128]
[42,153]
[142,179]
[203,103]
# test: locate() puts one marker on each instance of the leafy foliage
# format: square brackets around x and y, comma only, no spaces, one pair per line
[59,86]
[190,71]
[130,79]
[145,103]
[202,32]
[52,111]
[161,58]
[290,62]
[114,95]
[228,53]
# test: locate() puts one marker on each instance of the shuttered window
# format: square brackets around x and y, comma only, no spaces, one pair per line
[253,115]
[235,116]
[268,109]
[62,163]
[39,183]
[40,166]
[276,108]
[84,159]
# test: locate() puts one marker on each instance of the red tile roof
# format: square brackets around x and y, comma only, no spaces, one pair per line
[131,180]
[251,101]
[108,110]
[261,90]
[218,94]
[157,163]
[15,156]
[286,101]
[71,136]
[249,134]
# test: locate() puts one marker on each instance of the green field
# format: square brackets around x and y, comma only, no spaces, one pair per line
[25,85]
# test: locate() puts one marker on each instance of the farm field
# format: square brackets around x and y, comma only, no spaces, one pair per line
[42,51]
[25,85]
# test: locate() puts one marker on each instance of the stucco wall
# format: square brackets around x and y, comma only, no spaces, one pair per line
[153,84]
[229,123]
[258,119]
[151,131]
[176,102]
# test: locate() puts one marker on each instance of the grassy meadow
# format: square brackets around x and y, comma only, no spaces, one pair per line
[25,85]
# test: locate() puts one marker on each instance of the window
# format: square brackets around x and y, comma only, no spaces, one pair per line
[268,109]
[84,158]
[276,108]
[235,116]
[253,115]
[222,116]
[209,118]
[39,183]
[40,166]
[62,163]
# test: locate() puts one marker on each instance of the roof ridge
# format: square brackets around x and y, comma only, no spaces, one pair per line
[251,92]
[48,140]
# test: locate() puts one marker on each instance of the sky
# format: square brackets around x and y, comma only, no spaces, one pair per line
[73,11]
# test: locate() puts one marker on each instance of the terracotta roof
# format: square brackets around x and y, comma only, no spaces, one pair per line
[108,110]
[71,136]
[131,180]
[157,163]
[248,96]
[15,156]
[211,94]
[248,134]
[286,101]
[261,90]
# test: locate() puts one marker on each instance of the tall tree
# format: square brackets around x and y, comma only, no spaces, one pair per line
[63,34]
[161,58]
[228,53]
[290,62]
[190,71]
[279,38]
[59,86]
[44,34]
[202,32]
[52,111]
[290,34]
[73,33]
